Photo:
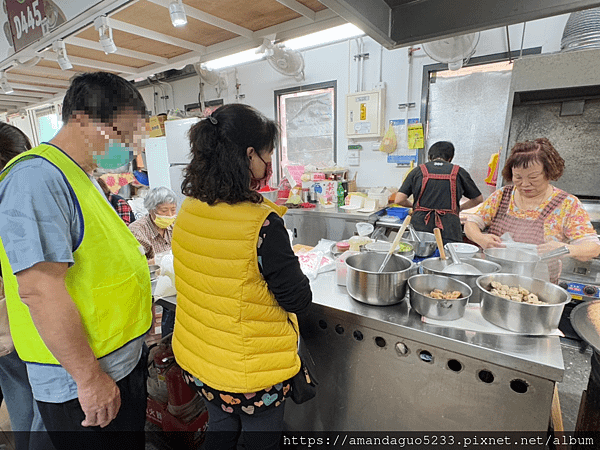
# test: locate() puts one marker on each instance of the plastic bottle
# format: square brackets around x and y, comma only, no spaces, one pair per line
[340,194]
[341,269]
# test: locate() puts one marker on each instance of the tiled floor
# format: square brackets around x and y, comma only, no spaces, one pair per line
[577,369]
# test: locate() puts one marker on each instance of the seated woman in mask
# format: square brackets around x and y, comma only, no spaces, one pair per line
[154,230]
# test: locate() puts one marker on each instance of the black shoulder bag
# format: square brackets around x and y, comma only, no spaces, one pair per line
[304,384]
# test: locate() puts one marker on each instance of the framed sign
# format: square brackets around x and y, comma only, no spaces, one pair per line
[25,18]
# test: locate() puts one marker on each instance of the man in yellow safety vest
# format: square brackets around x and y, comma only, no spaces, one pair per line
[77,285]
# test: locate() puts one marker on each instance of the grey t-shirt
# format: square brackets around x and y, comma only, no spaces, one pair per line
[41,220]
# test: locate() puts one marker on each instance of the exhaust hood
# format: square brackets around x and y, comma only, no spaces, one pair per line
[400,23]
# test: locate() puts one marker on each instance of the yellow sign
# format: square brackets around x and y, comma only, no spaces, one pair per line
[363,111]
[415,136]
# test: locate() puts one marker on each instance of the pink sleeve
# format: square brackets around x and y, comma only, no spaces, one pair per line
[487,210]
[576,223]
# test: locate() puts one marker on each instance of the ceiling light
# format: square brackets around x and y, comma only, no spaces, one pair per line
[177,12]
[329,36]
[106,39]
[5,85]
[61,55]
[234,60]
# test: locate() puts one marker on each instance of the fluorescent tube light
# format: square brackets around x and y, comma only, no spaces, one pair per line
[234,60]
[329,36]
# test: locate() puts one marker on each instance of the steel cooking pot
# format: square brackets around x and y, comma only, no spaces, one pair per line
[522,317]
[427,245]
[381,289]
[440,309]
[520,262]
[436,266]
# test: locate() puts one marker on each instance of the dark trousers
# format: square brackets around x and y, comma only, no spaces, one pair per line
[126,431]
[257,432]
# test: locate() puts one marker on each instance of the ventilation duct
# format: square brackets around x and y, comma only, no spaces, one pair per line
[582,31]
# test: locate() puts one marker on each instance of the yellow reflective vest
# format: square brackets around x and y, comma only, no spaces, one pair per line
[230,332]
[109,281]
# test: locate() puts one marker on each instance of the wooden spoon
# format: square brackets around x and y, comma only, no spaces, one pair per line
[394,244]
[438,238]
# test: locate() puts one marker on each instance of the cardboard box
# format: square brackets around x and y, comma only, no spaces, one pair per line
[157,125]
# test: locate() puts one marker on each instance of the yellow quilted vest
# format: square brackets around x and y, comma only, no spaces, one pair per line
[109,281]
[230,332]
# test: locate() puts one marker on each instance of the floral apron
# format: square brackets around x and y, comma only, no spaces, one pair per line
[525,230]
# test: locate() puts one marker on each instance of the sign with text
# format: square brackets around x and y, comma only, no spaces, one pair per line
[25,18]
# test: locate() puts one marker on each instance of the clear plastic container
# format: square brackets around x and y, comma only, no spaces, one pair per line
[341,269]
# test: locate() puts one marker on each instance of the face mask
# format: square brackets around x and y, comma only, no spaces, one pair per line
[116,156]
[164,221]
[258,183]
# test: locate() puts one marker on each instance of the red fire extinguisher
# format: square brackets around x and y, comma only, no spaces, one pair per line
[180,393]
[163,359]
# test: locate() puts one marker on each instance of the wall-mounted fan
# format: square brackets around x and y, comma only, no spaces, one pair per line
[212,78]
[284,60]
[454,51]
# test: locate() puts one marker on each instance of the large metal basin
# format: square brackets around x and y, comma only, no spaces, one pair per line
[381,289]
[440,309]
[435,266]
[513,260]
[523,317]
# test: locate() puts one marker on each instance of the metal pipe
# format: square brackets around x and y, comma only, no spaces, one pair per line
[522,40]
[508,43]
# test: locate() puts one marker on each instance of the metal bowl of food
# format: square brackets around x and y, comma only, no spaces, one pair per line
[404,248]
[425,292]
[435,266]
[366,285]
[505,311]
[426,247]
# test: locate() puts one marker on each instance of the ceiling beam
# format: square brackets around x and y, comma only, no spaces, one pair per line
[19,98]
[210,19]
[291,29]
[150,34]
[92,63]
[34,95]
[95,45]
[17,77]
[41,70]
[299,8]
[37,90]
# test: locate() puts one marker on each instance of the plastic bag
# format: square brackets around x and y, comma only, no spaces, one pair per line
[389,141]
[508,241]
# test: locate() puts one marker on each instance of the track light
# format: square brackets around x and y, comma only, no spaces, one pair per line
[177,12]
[5,85]
[61,52]
[106,39]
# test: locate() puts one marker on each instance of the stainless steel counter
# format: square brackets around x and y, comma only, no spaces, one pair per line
[381,368]
[311,225]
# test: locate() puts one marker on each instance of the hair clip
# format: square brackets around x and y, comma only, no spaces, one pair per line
[212,120]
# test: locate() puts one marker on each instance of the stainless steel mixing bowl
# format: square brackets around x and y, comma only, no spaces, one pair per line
[440,309]
[522,317]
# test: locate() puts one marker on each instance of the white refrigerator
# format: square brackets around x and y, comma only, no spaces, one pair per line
[167,156]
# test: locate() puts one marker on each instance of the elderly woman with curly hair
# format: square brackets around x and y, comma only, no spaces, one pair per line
[532,210]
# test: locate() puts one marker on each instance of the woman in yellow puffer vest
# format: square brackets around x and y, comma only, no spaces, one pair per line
[239,284]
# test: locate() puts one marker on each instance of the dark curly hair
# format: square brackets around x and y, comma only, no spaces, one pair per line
[220,167]
[540,150]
